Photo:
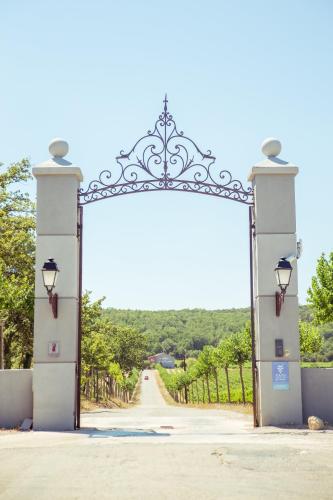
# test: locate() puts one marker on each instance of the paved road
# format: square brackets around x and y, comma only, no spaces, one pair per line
[168,424]
[166,452]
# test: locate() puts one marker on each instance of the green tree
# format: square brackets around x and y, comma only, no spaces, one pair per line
[320,295]
[115,372]
[216,364]
[96,352]
[206,366]
[128,346]
[110,353]
[103,342]
[168,346]
[310,339]
[17,307]
[241,352]
[224,355]
[17,259]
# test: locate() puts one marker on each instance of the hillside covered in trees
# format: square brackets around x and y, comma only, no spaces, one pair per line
[174,331]
[188,329]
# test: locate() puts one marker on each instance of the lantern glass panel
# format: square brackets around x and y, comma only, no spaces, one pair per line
[50,278]
[283,277]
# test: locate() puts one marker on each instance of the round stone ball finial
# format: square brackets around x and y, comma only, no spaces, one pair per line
[58,147]
[271,147]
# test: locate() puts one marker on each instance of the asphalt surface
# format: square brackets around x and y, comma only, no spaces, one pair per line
[154,450]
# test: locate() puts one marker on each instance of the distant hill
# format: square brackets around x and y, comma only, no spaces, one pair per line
[191,329]
[172,331]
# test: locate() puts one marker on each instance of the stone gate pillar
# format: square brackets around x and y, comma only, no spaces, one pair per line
[273,180]
[54,378]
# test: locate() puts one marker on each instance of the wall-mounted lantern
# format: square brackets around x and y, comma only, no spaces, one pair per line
[50,273]
[283,273]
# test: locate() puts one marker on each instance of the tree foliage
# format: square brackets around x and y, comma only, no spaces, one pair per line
[320,295]
[240,347]
[232,350]
[128,347]
[17,258]
[185,330]
[118,349]
[311,340]
[186,326]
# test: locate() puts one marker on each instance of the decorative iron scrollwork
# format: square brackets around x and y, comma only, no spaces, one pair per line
[165,159]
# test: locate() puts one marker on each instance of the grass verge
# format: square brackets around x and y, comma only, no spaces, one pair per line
[88,405]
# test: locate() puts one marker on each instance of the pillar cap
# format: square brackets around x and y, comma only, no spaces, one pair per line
[272,165]
[57,165]
[52,168]
[271,147]
[58,148]
[264,169]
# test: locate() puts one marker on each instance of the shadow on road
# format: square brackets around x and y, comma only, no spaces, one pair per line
[94,432]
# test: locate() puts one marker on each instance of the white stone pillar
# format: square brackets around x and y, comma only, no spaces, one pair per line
[273,181]
[54,379]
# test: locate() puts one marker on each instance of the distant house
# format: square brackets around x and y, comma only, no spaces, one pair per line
[163,359]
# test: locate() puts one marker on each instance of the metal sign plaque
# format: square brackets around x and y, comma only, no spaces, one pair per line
[54,348]
[280,375]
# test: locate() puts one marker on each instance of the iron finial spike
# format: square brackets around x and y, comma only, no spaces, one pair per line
[165,102]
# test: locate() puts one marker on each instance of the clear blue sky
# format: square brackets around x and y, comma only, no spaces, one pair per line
[236,72]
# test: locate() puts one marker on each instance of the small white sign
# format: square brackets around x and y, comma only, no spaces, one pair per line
[54,348]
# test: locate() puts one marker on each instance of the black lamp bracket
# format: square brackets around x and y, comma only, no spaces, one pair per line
[53,301]
[279,300]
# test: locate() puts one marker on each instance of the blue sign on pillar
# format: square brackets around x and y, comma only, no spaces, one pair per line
[280,375]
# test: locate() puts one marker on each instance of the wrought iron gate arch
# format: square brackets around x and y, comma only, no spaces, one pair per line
[185,168]
[165,160]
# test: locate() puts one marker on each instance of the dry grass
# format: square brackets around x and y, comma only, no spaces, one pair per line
[246,408]
[136,393]
[165,393]
[87,405]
